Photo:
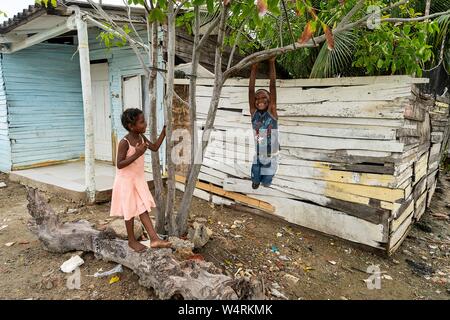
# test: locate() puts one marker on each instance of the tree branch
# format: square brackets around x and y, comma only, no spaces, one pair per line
[205,36]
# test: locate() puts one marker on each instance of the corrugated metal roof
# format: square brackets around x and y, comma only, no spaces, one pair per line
[33,11]
[20,18]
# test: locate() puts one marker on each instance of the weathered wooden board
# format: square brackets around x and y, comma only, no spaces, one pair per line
[329,221]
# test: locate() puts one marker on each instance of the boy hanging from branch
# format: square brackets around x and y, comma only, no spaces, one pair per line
[263,110]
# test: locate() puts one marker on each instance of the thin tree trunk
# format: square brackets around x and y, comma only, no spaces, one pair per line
[183,213]
[193,89]
[169,118]
[156,164]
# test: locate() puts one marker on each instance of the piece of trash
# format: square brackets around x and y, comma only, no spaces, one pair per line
[233,226]
[277,294]
[275,249]
[420,268]
[196,256]
[114,279]
[332,262]
[72,211]
[429,246]
[284,258]
[279,234]
[116,269]
[2,185]
[236,222]
[226,231]
[3,227]
[395,261]
[306,269]
[238,236]
[386,276]
[9,244]
[293,280]
[70,265]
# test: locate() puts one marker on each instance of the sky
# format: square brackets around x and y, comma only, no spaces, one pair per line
[11,7]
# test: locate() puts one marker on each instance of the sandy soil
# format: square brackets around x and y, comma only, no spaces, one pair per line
[325,268]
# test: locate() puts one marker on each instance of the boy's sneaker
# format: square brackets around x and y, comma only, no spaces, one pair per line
[255,185]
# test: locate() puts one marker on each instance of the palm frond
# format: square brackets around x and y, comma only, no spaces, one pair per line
[330,63]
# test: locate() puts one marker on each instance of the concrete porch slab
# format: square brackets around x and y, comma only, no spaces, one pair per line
[67,179]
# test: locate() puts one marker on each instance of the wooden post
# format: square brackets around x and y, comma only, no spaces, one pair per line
[85,68]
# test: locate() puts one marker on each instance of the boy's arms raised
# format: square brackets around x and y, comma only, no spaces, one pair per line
[251,89]
[273,88]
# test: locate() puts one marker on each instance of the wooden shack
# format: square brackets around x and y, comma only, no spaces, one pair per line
[359,156]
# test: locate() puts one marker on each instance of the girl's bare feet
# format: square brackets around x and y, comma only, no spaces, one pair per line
[137,246]
[160,244]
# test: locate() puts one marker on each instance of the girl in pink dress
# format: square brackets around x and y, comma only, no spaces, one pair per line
[131,197]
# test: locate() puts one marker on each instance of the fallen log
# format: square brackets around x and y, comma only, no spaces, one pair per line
[157,268]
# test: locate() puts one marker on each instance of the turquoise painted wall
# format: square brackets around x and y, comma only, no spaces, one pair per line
[5,147]
[45,106]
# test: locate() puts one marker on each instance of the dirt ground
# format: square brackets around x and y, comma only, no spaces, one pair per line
[323,267]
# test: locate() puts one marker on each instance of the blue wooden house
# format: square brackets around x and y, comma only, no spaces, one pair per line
[62,93]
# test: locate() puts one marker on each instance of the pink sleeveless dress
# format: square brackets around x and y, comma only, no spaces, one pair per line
[131,196]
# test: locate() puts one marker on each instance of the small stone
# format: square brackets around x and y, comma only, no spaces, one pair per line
[2,185]
[233,226]
[387,277]
[201,220]
[343,298]
[226,231]
[432,246]
[48,284]
[236,222]
[199,234]
[332,262]
[9,244]
[395,261]
[407,252]
[424,258]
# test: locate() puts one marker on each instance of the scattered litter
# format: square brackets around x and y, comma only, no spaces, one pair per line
[424,258]
[438,291]
[116,269]
[238,236]
[429,246]
[2,185]
[284,258]
[201,220]
[395,261]
[348,251]
[226,231]
[70,265]
[386,276]
[343,298]
[9,244]
[279,234]
[306,269]
[440,216]
[276,285]
[293,280]
[233,226]
[277,294]
[3,227]
[237,222]
[275,249]
[420,268]
[332,262]
[72,211]
[114,279]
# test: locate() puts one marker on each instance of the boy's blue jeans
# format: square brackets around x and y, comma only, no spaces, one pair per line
[263,170]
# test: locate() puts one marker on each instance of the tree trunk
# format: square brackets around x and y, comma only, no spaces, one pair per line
[193,87]
[157,268]
[170,198]
[183,213]
[156,166]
